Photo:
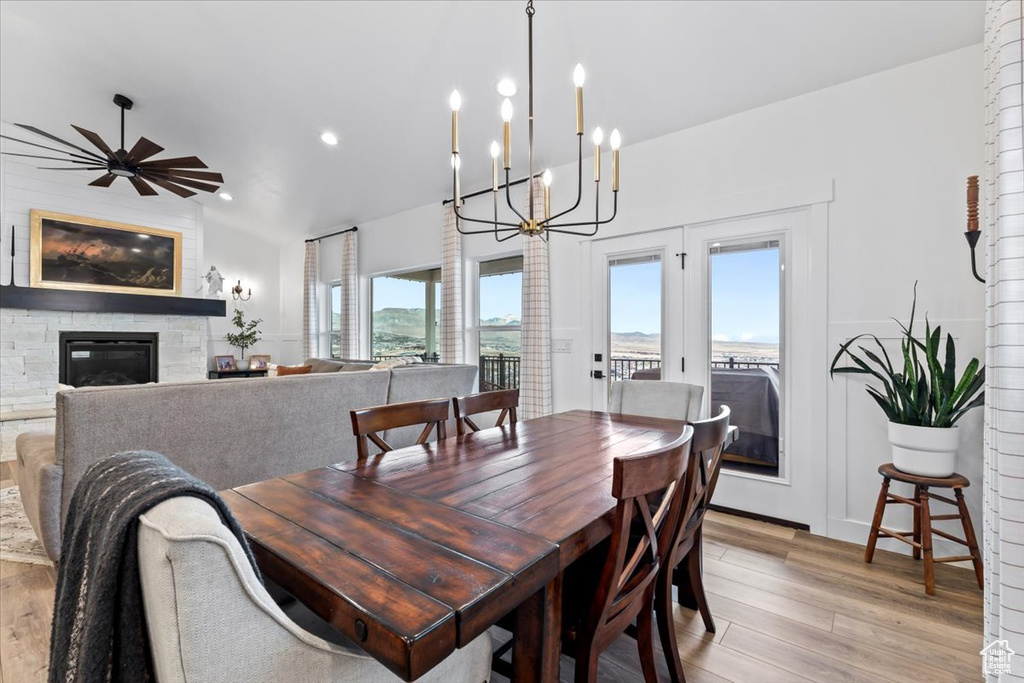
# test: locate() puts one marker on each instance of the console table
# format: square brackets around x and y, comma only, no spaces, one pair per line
[231,374]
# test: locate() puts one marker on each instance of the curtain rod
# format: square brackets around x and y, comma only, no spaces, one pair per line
[483,192]
[333,234]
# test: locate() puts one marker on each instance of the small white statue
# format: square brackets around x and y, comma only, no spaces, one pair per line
[216,282]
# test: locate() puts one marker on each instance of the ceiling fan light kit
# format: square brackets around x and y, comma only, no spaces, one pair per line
[175,175]
[533,224]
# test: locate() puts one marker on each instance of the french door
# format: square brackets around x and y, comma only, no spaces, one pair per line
[724,305]
[637,287]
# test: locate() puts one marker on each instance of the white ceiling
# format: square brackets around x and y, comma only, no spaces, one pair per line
[248,87]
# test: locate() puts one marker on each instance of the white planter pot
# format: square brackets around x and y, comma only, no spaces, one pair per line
[242,363]
[924,451]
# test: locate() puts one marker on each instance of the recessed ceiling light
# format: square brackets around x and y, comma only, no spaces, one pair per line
[136,250]
[226,196]
[143,236]
[506,87]
[329,138]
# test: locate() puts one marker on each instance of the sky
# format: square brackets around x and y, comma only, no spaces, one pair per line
[389,292]
[745,296]
[636,298]
[501,295]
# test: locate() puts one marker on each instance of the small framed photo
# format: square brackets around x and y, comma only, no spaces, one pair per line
[226,363]
[258,362]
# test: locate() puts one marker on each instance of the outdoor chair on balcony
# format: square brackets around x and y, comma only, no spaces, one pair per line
[672,400]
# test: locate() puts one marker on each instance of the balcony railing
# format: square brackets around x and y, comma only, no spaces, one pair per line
[499,372]
[623,368]
[733,363]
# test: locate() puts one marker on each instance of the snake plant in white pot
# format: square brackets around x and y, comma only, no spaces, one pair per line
[921,395]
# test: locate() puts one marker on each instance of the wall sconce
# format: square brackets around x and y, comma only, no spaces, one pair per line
[236,293]
[973,234]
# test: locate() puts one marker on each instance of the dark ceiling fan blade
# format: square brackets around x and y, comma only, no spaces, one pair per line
[37,156]
[142,187]
[92,158]
[171,187]
[97,141]
[104,180]
[179,162]
[173,178]
[76,168]
[182,173]
[57,139]
[142,150]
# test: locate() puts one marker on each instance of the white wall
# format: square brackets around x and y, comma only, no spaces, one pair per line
[897,145]
[260,266]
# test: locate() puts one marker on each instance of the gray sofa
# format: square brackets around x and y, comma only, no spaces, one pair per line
[227,432]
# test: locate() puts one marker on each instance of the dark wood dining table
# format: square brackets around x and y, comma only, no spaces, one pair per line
[415,552]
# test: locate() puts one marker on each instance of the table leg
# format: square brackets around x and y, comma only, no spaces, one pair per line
[869,551]
[917,522]
[538,635]
[926,543]
[972,541]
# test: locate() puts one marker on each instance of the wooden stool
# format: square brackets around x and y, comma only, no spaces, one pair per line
[921,536]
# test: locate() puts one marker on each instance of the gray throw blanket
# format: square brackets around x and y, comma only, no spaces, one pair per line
[99,630]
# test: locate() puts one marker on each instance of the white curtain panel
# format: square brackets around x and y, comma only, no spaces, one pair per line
[310,310]
[452,321]
[349,313]
[1003,527]
[535,366]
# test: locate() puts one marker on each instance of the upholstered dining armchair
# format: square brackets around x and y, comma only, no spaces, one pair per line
[670,400]
[210,619]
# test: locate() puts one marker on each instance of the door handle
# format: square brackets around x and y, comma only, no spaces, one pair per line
[597,374]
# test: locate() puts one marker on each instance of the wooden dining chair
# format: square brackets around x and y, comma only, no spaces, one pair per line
[368,422]
[681,561]
[624,591]
[506,400]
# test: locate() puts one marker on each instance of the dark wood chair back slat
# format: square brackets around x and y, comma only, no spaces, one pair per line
[506,400]
[647,488]
[367,422]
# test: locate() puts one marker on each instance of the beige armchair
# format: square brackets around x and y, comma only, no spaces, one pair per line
[210,619]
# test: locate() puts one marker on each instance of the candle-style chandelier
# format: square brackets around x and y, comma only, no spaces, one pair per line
[531,224]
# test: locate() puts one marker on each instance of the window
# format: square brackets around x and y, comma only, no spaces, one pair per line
[334,331]
[500,338]
[634,317]
[746,366]
[405,313]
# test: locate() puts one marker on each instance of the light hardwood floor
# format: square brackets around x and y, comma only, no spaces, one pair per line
[789,606]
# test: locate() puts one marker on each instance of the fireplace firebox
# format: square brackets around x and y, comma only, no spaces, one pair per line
[94,359]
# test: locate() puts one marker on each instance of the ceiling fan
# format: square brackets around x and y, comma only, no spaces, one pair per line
[174,175]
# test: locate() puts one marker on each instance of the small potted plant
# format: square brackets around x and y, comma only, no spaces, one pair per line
[248,334]
[921,395]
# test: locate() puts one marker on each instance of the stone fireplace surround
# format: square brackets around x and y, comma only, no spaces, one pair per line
[29,360]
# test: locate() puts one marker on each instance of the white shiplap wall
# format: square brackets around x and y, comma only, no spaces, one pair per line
[24,187]
[1004,386]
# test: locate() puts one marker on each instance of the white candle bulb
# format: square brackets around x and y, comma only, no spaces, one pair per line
[598,136]
[455,100]
[546,178]
[495,149]
[506,110]
[579,75]
[615,140]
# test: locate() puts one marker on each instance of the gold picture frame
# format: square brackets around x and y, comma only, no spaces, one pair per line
[259,361]
[88,254]
[225,363]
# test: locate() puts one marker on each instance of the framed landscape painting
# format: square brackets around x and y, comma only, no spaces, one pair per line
[71,252]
